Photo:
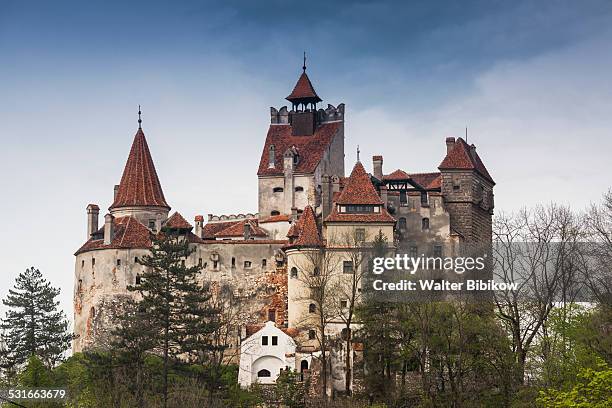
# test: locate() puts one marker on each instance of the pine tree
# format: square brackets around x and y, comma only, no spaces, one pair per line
[173,302]
[33,325]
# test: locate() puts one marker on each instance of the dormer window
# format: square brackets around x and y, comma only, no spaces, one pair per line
[359,209]
[296,159]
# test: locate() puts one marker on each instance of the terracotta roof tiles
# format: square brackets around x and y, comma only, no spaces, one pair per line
[128,233]
[463,157]
[237,230]
[303,90]
[306,229]
[139,184]
[359,188]
[310,148]
[177,221]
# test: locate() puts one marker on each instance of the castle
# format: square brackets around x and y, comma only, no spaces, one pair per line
[305,203]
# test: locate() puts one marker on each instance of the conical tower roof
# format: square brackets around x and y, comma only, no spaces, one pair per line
[303,92]
[139,186]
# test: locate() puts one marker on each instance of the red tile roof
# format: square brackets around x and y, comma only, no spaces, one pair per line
[177,221]
[306,229]
[303,90]
[310,148]
[199,218]
[463,157]
[237,230]
[139,184]
[359,188]
[427,180]
[209,230]
[129,233]
[275,218]
[397,175]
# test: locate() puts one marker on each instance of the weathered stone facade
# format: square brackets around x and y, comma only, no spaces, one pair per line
[305,203]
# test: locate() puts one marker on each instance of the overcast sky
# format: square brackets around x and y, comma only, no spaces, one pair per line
[531,80]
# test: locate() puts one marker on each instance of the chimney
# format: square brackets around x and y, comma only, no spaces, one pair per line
[247,231]
[115,191]
[92,219]
[199,226]
[377,162]
[108,229]
[450,143]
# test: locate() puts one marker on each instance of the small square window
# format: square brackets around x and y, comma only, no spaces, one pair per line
[247,264]
[264,340]
[347,266]
[136,259]
[456,187]
[360,234]
[343,304]
[215,265]
[118,262]
[311,334]
[275,340]
[264,263]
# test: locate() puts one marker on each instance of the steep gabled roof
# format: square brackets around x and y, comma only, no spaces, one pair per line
[303,91]
[310,149]
[139,186]
[359,188]
[305,231]
[177,221]
[463,157]
[380,217]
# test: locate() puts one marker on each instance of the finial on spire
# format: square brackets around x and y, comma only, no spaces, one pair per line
[358,153]
[139,119]
[304,66]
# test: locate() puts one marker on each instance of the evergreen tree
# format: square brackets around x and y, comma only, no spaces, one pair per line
[173,303]
[33,325]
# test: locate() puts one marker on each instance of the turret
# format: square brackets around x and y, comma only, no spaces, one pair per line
[140,193]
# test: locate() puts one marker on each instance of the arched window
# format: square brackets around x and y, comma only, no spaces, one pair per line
[402,223]
[312,308]
[425,224]
[303,365]
[263,373]
[299,188]
[274,212]
[277,190]
[294,272]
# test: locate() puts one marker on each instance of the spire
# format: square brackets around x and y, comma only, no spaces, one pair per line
[303,92]
[139,186]
[139,119]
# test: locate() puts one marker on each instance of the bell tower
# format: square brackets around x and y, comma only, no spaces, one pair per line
[304,99]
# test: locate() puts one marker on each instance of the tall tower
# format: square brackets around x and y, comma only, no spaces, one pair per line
[301,146]
[467,188]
